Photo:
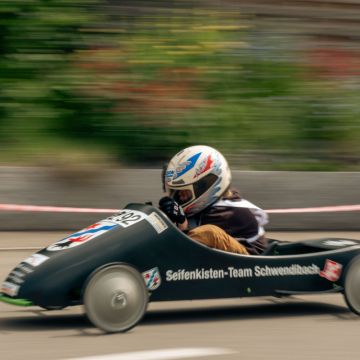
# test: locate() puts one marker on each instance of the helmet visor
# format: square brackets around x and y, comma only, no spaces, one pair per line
[187,194]
[204,184]
[183,196]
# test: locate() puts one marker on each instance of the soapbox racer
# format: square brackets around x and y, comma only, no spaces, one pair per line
[116,266]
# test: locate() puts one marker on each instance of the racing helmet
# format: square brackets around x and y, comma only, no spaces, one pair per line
[196,177]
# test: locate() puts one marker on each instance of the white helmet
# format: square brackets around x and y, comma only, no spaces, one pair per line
[196,177]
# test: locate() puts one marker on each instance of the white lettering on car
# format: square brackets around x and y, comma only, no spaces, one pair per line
[292,270]
[197,274]
[241,273]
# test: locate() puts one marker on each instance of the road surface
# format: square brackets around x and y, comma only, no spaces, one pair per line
[301,327]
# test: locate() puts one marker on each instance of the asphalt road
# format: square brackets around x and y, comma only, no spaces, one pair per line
[301,327]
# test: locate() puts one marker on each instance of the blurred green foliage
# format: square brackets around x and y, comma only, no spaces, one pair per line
[85,83]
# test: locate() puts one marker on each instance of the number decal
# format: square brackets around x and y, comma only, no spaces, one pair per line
[127,218]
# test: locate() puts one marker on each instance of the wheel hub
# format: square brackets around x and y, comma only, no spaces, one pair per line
[119,300]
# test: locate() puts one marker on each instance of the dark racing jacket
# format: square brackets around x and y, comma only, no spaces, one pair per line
[239,218]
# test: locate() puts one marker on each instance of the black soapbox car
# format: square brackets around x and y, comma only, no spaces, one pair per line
[116,266]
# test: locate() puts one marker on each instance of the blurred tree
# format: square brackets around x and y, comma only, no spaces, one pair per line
[137,83]
[38,42]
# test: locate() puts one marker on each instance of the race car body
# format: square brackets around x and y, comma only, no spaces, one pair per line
[114,267]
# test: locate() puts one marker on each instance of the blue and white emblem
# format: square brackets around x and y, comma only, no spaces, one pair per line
[152,278]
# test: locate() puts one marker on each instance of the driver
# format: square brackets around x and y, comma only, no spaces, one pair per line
[201,203]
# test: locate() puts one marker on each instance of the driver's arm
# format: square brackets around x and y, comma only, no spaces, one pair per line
[184,226]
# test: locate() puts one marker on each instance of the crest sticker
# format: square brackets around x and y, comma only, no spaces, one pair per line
[332,270]
[152,278]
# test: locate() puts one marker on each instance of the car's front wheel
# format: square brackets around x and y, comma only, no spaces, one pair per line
[53,308]
[115,298]
[352,285]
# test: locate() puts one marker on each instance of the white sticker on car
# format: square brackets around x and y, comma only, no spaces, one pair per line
[157,222]
[127,217]
[339,242]
[36,259]
[9,289]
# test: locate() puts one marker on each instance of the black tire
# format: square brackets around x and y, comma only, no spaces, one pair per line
[115,298]
[352,285]
[52,308]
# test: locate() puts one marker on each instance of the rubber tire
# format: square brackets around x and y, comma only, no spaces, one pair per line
[53,308]
[352,285]
[115,298]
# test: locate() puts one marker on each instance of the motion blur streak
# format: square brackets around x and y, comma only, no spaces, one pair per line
[166,354]
[271,84]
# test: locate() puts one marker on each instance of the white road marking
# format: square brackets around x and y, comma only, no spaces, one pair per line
[165,354]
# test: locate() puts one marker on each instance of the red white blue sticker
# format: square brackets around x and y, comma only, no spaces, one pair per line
[83,236]
[152,278]
[332,270]
[9,288]
[124,219]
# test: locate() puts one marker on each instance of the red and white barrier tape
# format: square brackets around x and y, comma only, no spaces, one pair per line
[315,209]
[13,207]
[35,208]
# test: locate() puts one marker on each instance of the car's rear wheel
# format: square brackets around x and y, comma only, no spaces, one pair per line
[115,298]
[352,286]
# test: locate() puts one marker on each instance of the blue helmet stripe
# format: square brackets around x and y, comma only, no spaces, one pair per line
[192,161]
